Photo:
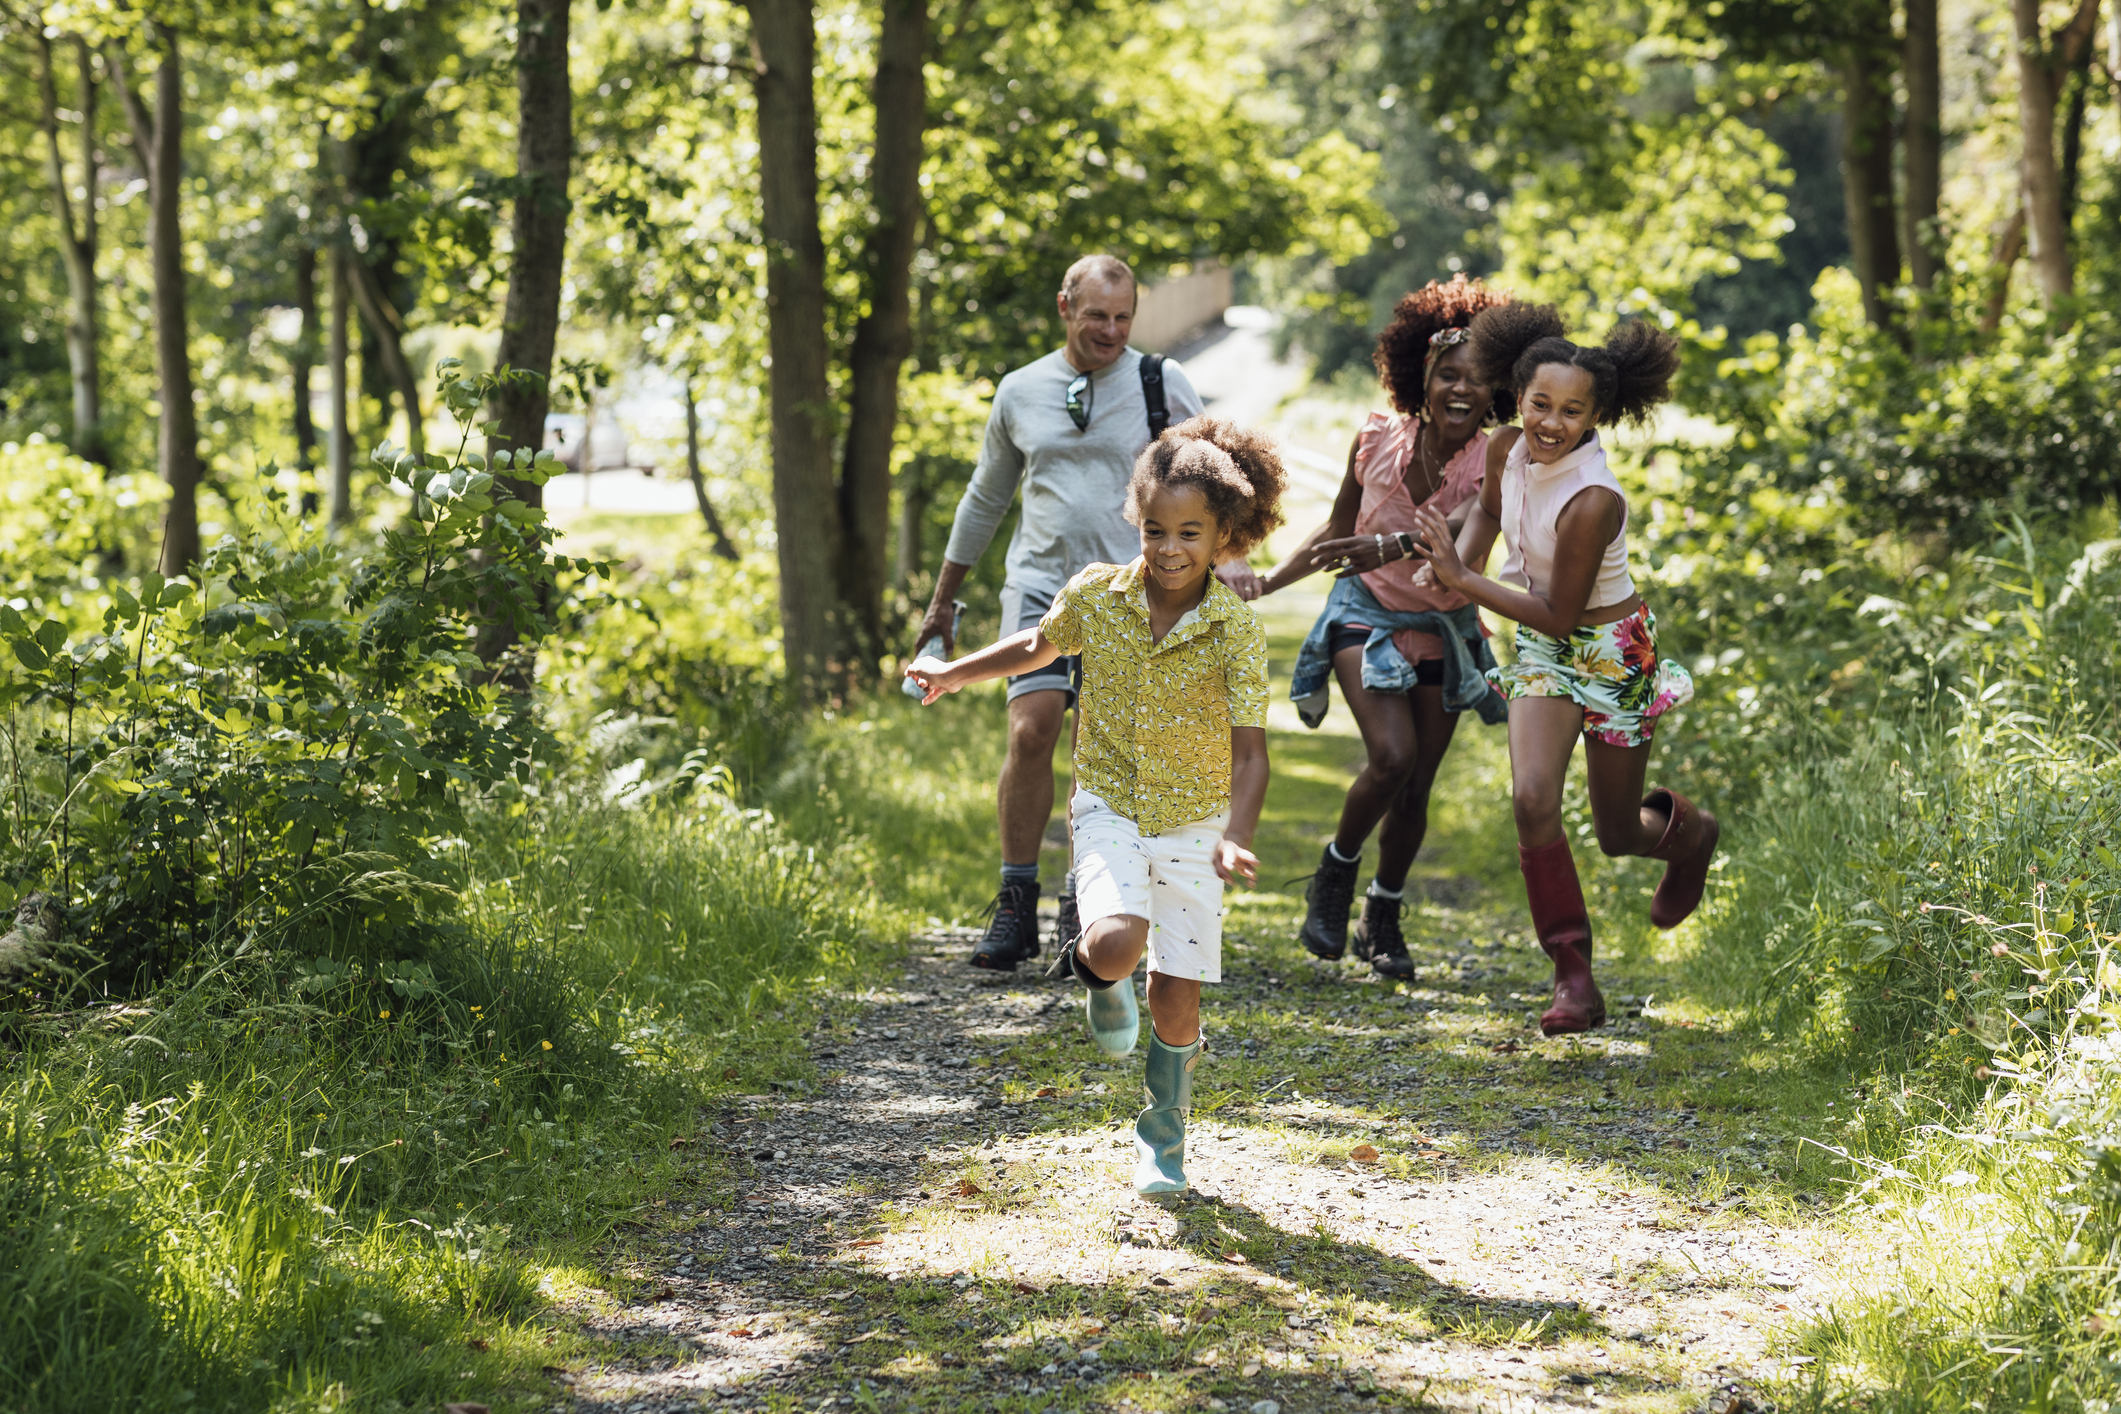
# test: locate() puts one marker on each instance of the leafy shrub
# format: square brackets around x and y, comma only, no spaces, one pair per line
[1940,439]
[286,744]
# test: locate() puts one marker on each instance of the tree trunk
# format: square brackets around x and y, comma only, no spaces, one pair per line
[722,546]
[1867,175]
[158,138]
[884,335]
[537,225]
[381,317]
[1923,143]
[2080,85]
[77,241]
[2043,67]
[805,510]
[303,361]
[2010,244]
[530,321]
[913,499]
[339,453]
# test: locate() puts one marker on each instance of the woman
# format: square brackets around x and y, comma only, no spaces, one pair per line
[1408,658]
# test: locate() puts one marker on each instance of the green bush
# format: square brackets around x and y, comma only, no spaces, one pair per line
[1938,438]
[284,745]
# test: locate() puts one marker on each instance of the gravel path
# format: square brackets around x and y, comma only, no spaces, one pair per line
[1405,1198]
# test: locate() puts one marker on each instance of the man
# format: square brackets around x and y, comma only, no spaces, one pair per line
[1067,427]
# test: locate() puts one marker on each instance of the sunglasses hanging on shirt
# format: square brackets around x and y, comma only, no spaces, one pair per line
[1079,391]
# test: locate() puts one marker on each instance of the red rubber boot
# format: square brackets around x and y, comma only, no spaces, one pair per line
[1564,928]
[1688,848]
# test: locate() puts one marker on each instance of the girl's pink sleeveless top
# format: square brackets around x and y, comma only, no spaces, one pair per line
[1384,452]
[1532,498]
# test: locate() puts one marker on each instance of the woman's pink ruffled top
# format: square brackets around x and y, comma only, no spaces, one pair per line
[1385,451]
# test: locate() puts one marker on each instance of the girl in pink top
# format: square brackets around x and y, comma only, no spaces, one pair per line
[1429,451]
[1587,662]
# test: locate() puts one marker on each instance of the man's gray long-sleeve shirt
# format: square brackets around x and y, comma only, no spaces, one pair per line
[1075,482]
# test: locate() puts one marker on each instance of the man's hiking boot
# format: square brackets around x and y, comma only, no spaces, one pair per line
[1564,928]
[1067,923]
[1327,900]
[1012,929]
[1377,938]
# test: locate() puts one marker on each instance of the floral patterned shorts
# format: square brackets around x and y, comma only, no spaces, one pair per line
[1611,670]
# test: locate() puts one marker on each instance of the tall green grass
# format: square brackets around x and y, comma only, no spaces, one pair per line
[1924,897]
[290,1181]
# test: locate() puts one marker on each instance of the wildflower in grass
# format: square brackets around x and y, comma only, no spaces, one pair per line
[546,1044]
[384,1015]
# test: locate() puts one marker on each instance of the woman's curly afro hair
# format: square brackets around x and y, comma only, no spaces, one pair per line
[1403,348]
[1236,469]
[1630,374]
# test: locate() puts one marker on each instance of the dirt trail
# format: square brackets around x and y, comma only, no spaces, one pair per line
[943,1221]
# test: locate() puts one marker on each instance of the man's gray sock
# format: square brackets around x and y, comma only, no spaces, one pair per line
[1019,874]
[1333,849]
[1378,890]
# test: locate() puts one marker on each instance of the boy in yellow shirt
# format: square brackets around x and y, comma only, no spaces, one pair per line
[1171,759]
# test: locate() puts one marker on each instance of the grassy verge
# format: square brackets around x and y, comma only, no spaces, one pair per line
[290,1182]
[1922,903]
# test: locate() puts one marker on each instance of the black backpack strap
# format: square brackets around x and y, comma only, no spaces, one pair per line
[1153,394]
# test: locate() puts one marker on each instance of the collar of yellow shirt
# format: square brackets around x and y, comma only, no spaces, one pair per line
[1215,606]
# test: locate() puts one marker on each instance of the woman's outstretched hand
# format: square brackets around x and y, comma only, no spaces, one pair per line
[934,677]
[1232,858]
[1357,554]
[1433,541]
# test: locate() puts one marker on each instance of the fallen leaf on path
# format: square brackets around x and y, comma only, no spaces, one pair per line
[1251,1368]
[1027,1288]
[729,1073]
[1159,1281]
[679,1141]
[966,1188]
[867,1242]
[1236,1258]
[867,1336]
[1432,1154]
[1505,1047]
[1364,1153]
[743,1333]
[1046,1092]
[666,1294]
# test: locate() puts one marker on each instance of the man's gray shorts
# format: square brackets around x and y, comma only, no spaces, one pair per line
[1021,609]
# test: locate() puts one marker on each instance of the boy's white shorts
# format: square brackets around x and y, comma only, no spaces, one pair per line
[1168,879]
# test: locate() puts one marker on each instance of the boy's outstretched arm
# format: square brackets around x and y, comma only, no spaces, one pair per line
[1013,656]
[1248,792]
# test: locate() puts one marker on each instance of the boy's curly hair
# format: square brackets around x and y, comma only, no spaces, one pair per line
[1235,468]
[1630,375]
[1401,356]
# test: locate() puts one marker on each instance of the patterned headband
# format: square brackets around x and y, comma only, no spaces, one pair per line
[1443,339]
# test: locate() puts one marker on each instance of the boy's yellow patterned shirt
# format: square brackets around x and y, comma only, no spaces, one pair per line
[1156,717]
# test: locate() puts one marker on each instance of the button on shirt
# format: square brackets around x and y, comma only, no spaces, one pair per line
[1156,717]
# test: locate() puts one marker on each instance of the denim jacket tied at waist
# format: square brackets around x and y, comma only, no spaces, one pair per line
[1466,657]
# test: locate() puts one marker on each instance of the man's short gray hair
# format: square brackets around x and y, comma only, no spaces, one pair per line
[1095,267]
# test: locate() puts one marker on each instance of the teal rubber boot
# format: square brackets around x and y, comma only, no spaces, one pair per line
[1114,1016]
[1160,1130]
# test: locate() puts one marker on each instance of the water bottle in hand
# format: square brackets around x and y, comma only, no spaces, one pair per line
[934,648]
